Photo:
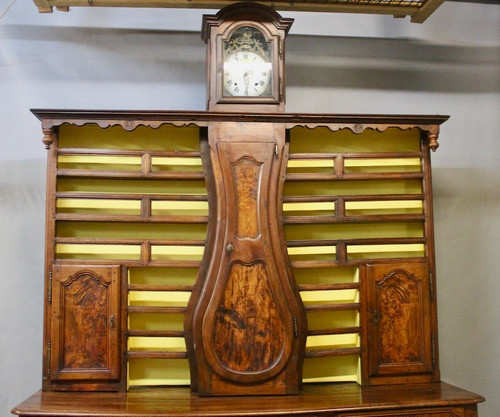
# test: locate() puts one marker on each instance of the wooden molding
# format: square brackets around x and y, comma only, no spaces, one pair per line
[130,120]
[418,10]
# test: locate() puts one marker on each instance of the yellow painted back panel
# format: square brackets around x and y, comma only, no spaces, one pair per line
[144,372]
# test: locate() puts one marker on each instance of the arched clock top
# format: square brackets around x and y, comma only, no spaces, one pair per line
[250,11]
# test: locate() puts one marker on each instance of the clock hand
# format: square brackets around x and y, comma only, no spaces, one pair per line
[247,82]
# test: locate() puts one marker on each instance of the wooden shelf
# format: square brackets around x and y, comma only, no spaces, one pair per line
[383,218]
[86,173]
[365,176]
[153,287]
[327,353]
[323,287]
[129,218]
[332,307]
[340,330]
[155,310]
[155,333]
[156,355]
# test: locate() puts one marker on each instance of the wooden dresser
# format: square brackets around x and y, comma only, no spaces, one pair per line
[196,260]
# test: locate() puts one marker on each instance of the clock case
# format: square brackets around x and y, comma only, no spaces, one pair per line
[218,29]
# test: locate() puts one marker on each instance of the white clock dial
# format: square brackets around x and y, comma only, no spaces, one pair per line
[246,74]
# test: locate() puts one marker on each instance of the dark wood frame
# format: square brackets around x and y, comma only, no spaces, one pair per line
[420,397]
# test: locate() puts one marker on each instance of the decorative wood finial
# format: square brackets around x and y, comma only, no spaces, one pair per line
[48,137]
[433,136]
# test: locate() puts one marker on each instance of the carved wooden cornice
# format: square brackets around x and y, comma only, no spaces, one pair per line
[130,120]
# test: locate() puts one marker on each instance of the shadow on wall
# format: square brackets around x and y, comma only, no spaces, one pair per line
[467,224]
[392,64]
[467,221]
[313,61]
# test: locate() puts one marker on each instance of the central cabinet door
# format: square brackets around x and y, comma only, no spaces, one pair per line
[248,326]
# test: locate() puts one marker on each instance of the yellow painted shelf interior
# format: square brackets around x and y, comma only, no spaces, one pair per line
[149,186]
[322,140]
[164,371]
[87,195]
[131,207]
[91,191]
[95,185]
[129,163]
[356,165]
[308,165]
[315,221]
[164,138]
[158,372]
[311,205]
[331,368]
[309,209]
[108,230]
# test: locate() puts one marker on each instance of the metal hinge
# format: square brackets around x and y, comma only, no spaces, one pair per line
[50,287]
[276,150]
[431,285]
[295,328]
[49,355]
[433,349]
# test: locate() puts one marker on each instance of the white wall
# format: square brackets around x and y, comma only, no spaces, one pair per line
[139,59]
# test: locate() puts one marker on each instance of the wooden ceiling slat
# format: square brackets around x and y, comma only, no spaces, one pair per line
[418,10]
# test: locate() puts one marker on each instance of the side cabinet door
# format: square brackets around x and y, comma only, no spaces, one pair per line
[84,323]
[399,337]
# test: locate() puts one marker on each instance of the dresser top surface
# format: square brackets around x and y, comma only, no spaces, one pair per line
[58,116]
[317,398]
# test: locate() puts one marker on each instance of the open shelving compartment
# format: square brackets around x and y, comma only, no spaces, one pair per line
[349,199]
[139,199]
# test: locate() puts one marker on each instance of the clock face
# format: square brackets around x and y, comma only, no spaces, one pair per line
[246,74]
[247,67]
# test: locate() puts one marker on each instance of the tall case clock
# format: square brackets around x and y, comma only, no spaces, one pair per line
[245,323]
[245,58]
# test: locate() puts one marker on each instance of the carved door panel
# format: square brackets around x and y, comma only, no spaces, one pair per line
[399,336]
[85,323]
[248,325]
